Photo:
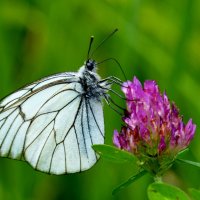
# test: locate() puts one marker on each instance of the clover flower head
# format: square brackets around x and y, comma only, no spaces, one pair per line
[154,130]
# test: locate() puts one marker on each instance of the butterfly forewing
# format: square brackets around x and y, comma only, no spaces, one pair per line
[52,125]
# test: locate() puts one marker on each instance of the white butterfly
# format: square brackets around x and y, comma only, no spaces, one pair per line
[52,123]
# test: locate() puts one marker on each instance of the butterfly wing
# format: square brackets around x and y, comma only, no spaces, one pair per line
[52,125]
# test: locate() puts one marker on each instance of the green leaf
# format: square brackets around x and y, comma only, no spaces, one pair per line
[196,164]
[195,194]
[113,153]
[157,191]
[129,181]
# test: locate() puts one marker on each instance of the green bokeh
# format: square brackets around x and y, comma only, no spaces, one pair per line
[156,40]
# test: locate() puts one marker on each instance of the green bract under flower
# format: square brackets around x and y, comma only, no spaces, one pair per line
[154,130]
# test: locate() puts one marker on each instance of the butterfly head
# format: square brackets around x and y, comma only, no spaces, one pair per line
[90,65]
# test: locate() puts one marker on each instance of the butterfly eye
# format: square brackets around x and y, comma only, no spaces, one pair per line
[90,64]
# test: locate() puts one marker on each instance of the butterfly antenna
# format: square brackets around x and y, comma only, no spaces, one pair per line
[120,67]
[110,35]
[90,45]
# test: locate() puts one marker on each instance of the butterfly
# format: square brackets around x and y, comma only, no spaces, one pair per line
[53,122]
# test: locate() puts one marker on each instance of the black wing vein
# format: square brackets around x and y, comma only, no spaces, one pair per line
[95,118]
[83,132]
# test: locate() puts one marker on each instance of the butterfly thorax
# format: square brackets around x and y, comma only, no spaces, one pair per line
[92,87]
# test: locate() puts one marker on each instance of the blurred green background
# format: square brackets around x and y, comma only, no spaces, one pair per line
[156,40]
